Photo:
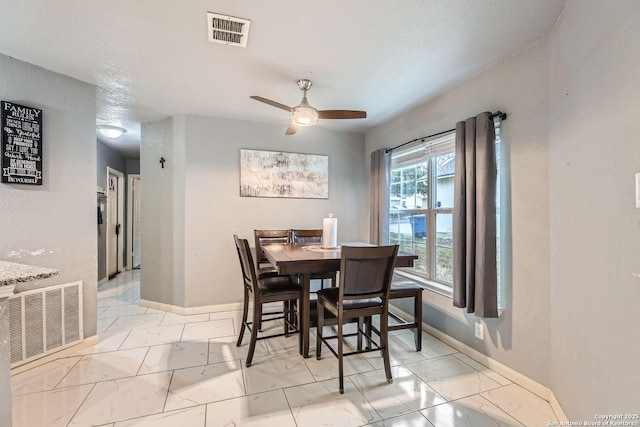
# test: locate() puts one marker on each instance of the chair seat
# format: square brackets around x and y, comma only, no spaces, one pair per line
[267,269]
[265,273]
[323,275]
[332,294]
[276,285]
[404,288]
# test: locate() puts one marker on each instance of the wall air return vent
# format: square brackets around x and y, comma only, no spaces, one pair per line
[45,320]
[227,29]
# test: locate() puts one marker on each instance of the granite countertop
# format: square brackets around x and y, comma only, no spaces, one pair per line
[12,273]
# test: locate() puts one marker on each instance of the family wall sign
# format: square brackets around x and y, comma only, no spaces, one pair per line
[21,144]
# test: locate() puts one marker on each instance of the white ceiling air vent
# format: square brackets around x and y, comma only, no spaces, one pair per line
[228,29]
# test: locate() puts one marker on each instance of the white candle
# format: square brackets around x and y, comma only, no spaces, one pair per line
[330,232]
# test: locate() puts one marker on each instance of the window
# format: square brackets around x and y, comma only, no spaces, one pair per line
[421,200]
[421,206]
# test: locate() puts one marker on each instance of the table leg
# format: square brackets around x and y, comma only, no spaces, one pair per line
[305,314]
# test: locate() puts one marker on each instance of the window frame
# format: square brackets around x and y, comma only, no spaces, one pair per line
[502,215]
[433,148]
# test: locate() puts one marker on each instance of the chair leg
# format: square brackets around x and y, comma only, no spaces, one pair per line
[417,313]
[292,318]
[257,323]
[293,314]
[340,357]
[245,310]
[368,322]
[384,345]
[297,316]
[360,329]
[286,310]
[257,315]
[319,328]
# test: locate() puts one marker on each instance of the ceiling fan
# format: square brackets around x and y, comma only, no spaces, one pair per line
[305,115]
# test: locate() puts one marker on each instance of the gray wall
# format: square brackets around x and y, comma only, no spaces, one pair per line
[133,166]
[520,338]
[54,225]
[595,227]
[571,319]
[192,208]
[107,157]
[162,277]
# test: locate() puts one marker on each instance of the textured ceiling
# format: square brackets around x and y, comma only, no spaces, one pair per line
[151,59]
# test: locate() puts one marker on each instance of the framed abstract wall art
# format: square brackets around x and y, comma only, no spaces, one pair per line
[280,174]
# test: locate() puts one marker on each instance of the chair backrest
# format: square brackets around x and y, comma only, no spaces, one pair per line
[306,236]
[263,237]
[366,271]
[249,275]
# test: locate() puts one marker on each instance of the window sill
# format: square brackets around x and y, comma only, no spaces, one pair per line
[438,288]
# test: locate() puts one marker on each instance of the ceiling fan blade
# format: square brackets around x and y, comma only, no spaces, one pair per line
[291,130]
[270,102]
[342,114]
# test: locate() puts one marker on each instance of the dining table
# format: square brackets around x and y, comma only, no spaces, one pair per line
[305,259]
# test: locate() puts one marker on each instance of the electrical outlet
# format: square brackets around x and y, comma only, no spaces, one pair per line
[479,331]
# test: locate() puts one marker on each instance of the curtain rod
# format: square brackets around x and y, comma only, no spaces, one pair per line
[500,114]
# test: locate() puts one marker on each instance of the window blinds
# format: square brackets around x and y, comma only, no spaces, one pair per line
[423,149]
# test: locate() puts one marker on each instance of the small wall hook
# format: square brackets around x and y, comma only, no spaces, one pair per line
[162,160]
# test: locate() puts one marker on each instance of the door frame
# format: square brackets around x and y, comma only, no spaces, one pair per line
[130,216]
[119,220]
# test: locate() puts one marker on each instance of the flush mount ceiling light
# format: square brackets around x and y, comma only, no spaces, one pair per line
[111,131]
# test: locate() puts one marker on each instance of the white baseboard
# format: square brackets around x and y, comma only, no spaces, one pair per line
[511,374]
[186,311]
[555,405]
[103,281]
[68,351]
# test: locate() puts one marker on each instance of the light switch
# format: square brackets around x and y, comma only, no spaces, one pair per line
[638,190]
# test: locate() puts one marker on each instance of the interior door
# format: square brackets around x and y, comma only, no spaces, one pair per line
[137,188]
[113,227]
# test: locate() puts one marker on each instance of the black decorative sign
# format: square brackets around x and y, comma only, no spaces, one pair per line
[21,144]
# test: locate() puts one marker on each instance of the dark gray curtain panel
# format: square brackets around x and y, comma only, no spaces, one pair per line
[380,181]
[474,217]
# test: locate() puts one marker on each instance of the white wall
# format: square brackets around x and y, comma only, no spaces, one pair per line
[520,338]
[595,227]
[54,225]
[214,211]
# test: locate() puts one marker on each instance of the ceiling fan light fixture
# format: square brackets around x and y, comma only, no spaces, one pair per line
[110,131]
[304,115]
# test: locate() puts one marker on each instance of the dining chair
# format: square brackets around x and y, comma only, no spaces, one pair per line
[261,291]
[406,288]
[302,236]
[263,237]
[363,292]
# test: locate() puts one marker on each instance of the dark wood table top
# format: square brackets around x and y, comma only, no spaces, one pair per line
[306,259]
[312,258]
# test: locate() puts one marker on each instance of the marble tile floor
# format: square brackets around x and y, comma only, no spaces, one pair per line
[159,369]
